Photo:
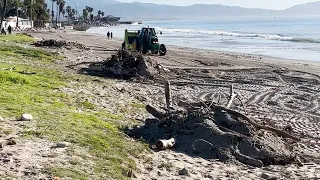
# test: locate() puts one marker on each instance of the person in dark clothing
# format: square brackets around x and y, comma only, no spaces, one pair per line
[108,34]
[3,32]
[111,35]
[9,29]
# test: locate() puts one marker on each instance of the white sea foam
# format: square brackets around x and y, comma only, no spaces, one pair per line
[236,34]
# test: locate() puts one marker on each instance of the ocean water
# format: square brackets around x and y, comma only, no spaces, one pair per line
[290,38]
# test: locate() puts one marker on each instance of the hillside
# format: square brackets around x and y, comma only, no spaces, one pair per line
[304,9]
[137,10]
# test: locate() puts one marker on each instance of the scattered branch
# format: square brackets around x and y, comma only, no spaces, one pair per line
[168,94]
[256,125]
[231,97]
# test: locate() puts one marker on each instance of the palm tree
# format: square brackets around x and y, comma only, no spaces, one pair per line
[68,9]
[90,11]
[73,13]
[52,13]
[102,14]
[2,13]
[28,6]
[99,13]
[40,12]
[17,4]
[62,3]
[63,12]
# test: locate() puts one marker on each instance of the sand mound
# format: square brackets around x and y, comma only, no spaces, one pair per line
[59,44]
[125,65]
[217,134]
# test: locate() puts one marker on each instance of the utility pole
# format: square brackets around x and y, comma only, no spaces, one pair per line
[31,13]
[17,24]
[57,14]
[3,13]
[52,15]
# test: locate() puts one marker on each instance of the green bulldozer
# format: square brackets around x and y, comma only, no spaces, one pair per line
[144,40]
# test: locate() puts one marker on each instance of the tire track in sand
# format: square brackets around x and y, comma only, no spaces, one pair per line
[261,97]
[313,105]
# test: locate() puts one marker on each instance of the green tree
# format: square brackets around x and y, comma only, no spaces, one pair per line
[28,6]
[102,14]
[85,14]
[40,13]
[36,10]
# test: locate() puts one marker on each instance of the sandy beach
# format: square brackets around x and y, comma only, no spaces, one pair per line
[275,91]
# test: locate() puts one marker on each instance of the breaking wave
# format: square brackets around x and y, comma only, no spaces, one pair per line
[278,37]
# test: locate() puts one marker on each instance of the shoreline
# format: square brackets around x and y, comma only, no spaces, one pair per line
[237,59]
[269,60]
[271,44]
[218,51]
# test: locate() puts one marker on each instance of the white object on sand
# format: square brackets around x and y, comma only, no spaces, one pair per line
[63,144]
[26,117]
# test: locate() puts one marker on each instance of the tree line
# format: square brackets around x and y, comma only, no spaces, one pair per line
[40,12]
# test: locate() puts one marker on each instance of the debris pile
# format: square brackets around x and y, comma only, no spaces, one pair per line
[59,44]
[125,64]
[213,131]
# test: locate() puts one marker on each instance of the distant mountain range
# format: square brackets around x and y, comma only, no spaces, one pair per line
[143,11]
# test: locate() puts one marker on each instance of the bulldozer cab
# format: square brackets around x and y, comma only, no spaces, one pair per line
[149,33]
[130,39]
[144,40]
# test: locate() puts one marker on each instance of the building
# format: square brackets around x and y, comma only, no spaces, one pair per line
[22,23]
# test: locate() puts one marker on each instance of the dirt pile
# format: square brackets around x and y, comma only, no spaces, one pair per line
[125,65]
[59,44]
[216,132]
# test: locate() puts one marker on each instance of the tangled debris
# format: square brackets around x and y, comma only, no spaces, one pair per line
[212,131]
[59,44]
[125,65]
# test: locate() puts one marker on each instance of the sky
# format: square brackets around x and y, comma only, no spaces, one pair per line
[267,4]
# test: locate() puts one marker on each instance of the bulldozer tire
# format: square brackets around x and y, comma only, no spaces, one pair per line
[163,50]
[143,50]
[123,45]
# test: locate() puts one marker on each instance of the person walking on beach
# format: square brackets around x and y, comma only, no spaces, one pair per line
[3,32]
[108,34]
[9,29]
[111,35]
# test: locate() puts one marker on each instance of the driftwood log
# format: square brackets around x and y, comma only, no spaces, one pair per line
[7,142]
[168,94]
[163,144]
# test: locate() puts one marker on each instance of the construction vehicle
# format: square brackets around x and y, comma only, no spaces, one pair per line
[144,40]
